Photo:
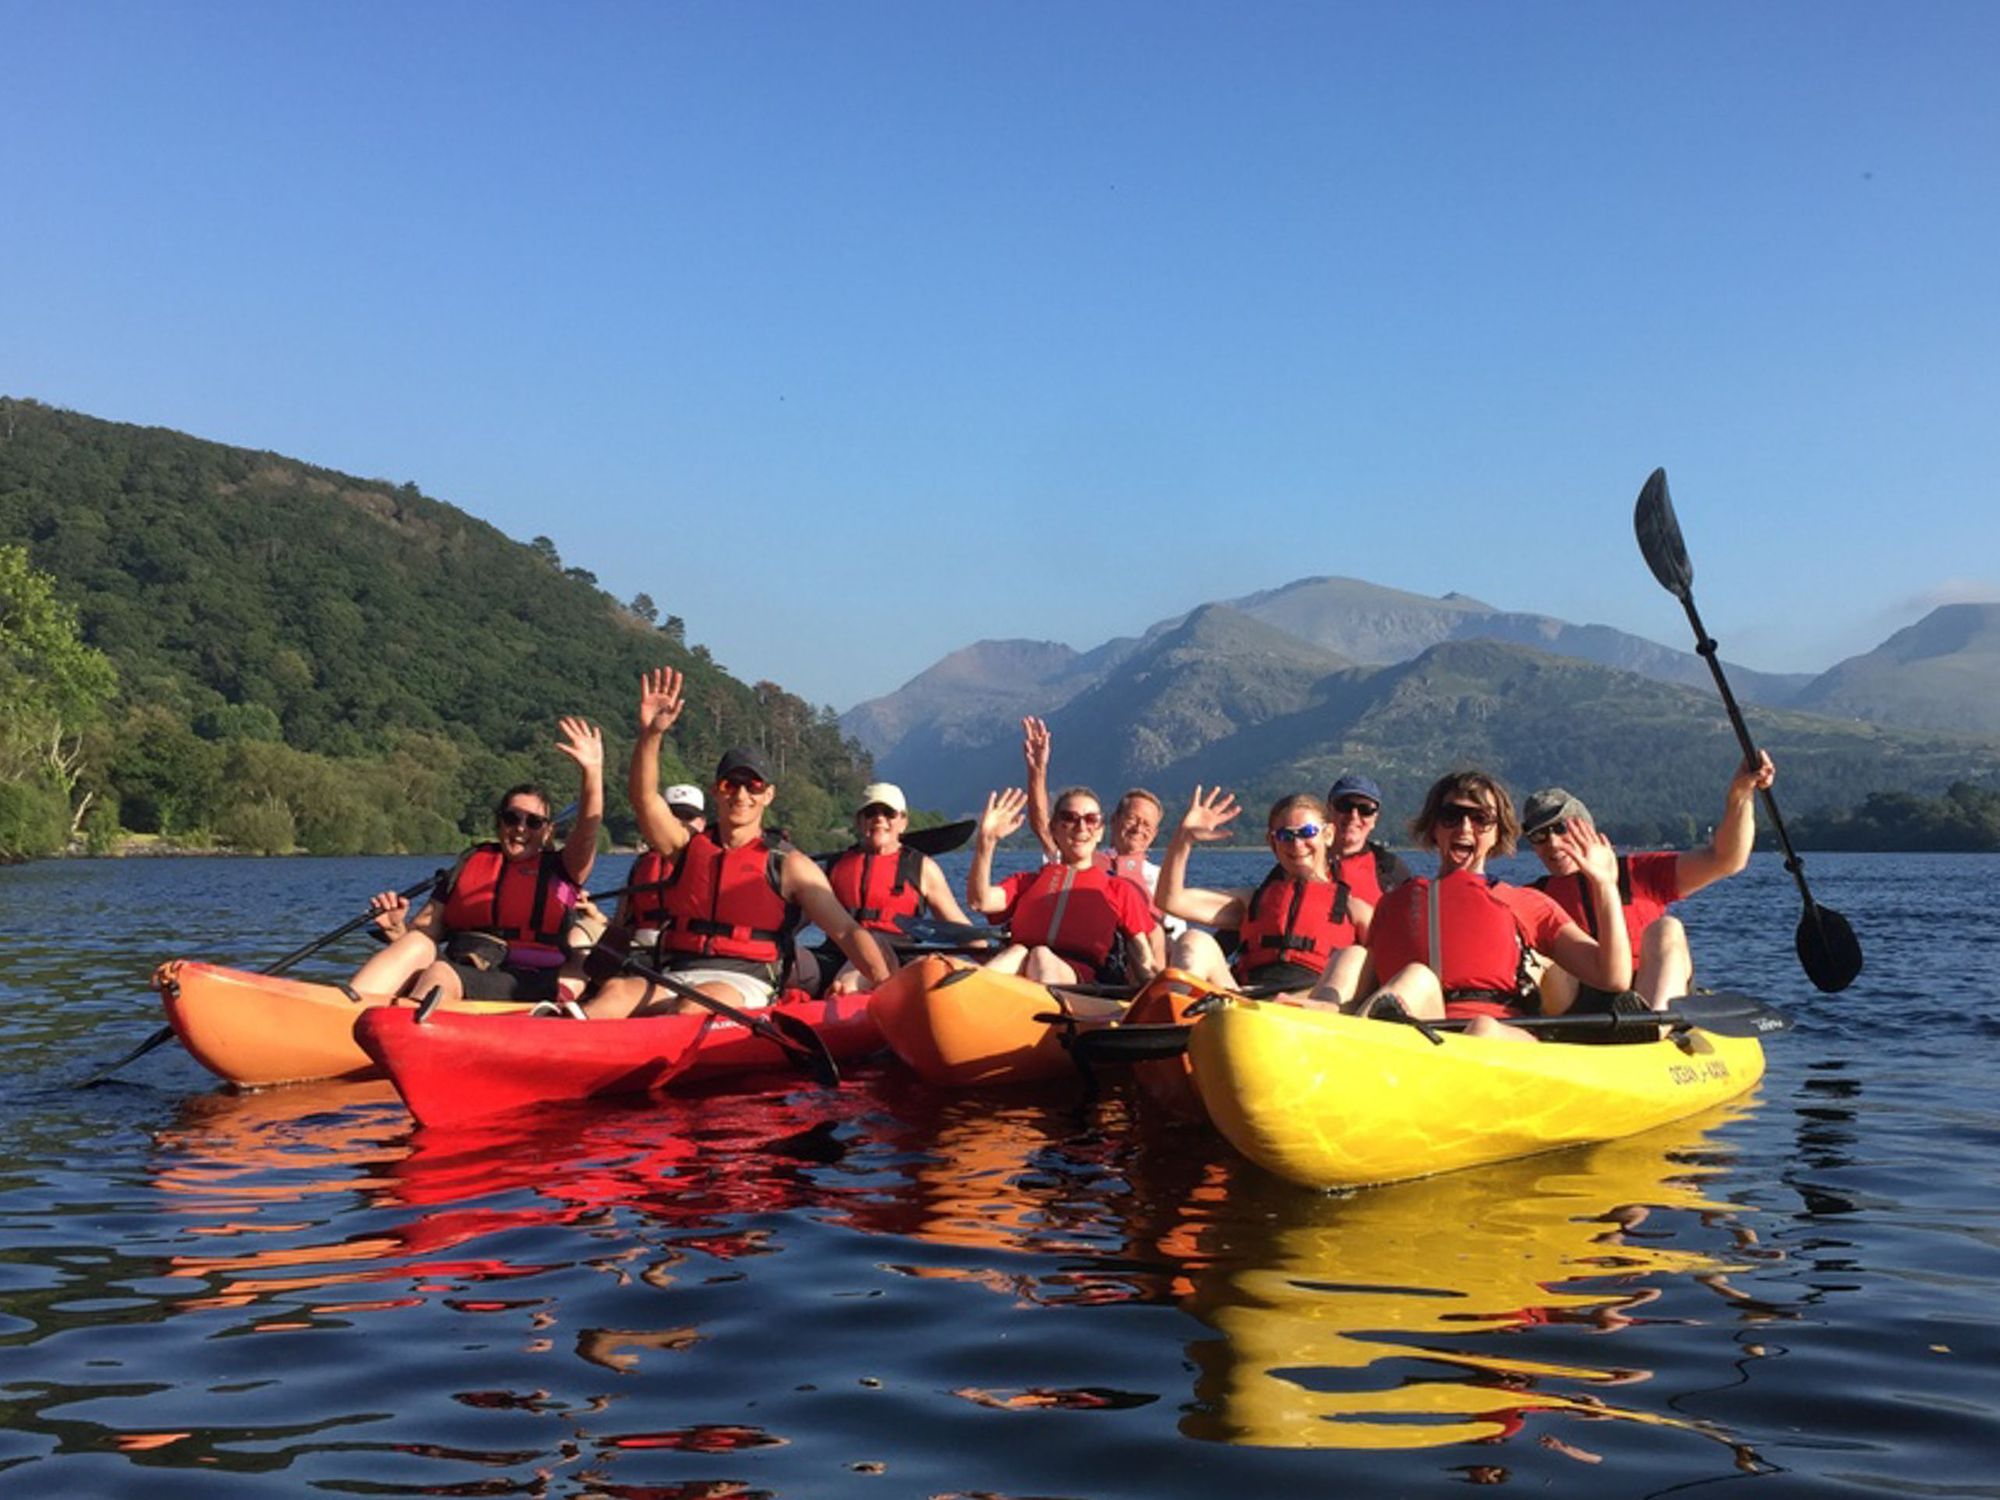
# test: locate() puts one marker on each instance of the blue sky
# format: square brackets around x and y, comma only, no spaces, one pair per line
[853,333]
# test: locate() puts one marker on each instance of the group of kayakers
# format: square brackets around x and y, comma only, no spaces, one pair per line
[717,905]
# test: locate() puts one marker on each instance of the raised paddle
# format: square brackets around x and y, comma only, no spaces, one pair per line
[1828,948]
[297,955]
[1724,1013]
[802,1047]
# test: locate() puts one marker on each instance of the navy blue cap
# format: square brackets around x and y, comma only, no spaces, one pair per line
[1354,785]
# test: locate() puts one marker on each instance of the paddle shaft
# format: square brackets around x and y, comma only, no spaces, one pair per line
[1706,648]
[801,1045]
[1723,1014]
[1827,946]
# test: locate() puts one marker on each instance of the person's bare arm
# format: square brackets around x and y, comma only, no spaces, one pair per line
[1729,848]
[938,894]
[1035,752]
[1604,961]
[583,742]
[804,883]
[659,708]
[1004,812]
[1204,821]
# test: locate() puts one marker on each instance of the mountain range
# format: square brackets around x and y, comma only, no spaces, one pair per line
[1282,690]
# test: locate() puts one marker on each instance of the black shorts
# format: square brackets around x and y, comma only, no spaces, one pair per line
[1283,975]
[505,982]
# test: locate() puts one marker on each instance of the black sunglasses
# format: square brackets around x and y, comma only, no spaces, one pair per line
[515,817]
[1453,813]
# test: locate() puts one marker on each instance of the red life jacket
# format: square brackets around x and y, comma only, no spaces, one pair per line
[1065,910]
[645,895]
[527,902]
[724,903]
[877,889]
[1372,872]
[1479,955]
[1294,921]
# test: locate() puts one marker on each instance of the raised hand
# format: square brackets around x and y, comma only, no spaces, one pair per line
[1035,746]
[659,700]
[1590,849]
[1005,812]
[1207,814]
[1758,778]
[582,742]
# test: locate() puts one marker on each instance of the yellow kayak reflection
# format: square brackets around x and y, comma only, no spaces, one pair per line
[1382,1320]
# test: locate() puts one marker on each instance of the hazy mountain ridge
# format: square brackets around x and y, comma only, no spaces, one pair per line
[1224,700]
[1941,673]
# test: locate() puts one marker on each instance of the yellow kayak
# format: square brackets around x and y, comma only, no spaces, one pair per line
[1328,1100]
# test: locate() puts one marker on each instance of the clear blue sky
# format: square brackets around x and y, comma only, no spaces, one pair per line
[855,332]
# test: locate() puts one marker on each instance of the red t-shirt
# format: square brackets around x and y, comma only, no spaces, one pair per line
[1653,881]
[1481,920]
[1098,909]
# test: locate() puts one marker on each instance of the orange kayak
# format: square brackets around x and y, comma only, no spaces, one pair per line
[1167,1083]
[960,1026]
[254,1030]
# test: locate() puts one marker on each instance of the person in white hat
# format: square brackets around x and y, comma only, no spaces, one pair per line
[684,801]
[877,880]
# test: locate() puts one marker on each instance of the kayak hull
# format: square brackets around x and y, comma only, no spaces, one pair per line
[454,1068]
[255,1030]
[959,1026]
[1334,1101]
[1167,1083]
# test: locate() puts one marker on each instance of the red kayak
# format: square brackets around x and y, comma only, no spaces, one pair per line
[456,1067]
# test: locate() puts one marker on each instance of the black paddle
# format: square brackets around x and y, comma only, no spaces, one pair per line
[1723,1013]
[1828,948]
[942,839]
[296,956]
[936,930]
[802,1047]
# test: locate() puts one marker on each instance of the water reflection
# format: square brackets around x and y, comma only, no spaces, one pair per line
[1448,1310]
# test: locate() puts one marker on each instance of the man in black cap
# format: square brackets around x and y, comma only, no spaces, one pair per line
[1662,964]
[733,900]
[1358,857]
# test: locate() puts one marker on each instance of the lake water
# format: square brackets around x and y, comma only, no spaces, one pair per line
[884,1291]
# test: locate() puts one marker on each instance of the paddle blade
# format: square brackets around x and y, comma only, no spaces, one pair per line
[1727,1014]
[1828,949]
[807,1050]
[1659,534]
[158,1039]
[942,839]
[1131,1044]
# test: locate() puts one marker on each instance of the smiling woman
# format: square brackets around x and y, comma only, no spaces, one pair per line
[495,931]
[1292,924]
[1071,918]
[1456,945]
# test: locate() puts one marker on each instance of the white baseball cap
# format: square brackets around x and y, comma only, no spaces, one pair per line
[885,792]
[685,794]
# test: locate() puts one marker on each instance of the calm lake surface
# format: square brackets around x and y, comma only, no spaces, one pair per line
[886,1291]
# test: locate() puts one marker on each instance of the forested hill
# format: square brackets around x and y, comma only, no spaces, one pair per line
[247,600]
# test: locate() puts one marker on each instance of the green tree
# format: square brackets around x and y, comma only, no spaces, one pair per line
[53,688]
